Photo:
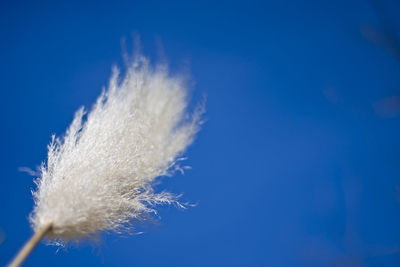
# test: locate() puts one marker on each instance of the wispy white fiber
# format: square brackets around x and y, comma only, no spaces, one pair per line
[99,175]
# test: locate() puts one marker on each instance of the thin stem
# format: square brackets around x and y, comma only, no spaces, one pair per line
[30,245]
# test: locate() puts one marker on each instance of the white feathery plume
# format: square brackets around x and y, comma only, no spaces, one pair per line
[99,176]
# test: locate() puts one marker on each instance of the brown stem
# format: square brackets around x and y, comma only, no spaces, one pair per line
[30,245]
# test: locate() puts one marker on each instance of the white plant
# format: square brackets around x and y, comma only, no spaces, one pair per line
[99,176]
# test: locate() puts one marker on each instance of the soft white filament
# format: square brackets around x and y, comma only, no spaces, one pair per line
[99,176]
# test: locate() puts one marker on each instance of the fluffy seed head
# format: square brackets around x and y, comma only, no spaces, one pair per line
[99,176]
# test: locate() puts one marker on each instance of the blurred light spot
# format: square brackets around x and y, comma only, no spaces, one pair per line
[387,107]
[2,236]
[332,95]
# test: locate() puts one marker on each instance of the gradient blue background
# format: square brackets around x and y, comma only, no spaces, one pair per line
[298,163]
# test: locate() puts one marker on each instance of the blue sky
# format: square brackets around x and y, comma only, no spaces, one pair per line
[297,164]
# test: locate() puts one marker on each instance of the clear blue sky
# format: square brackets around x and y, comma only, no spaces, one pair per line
[297,165]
